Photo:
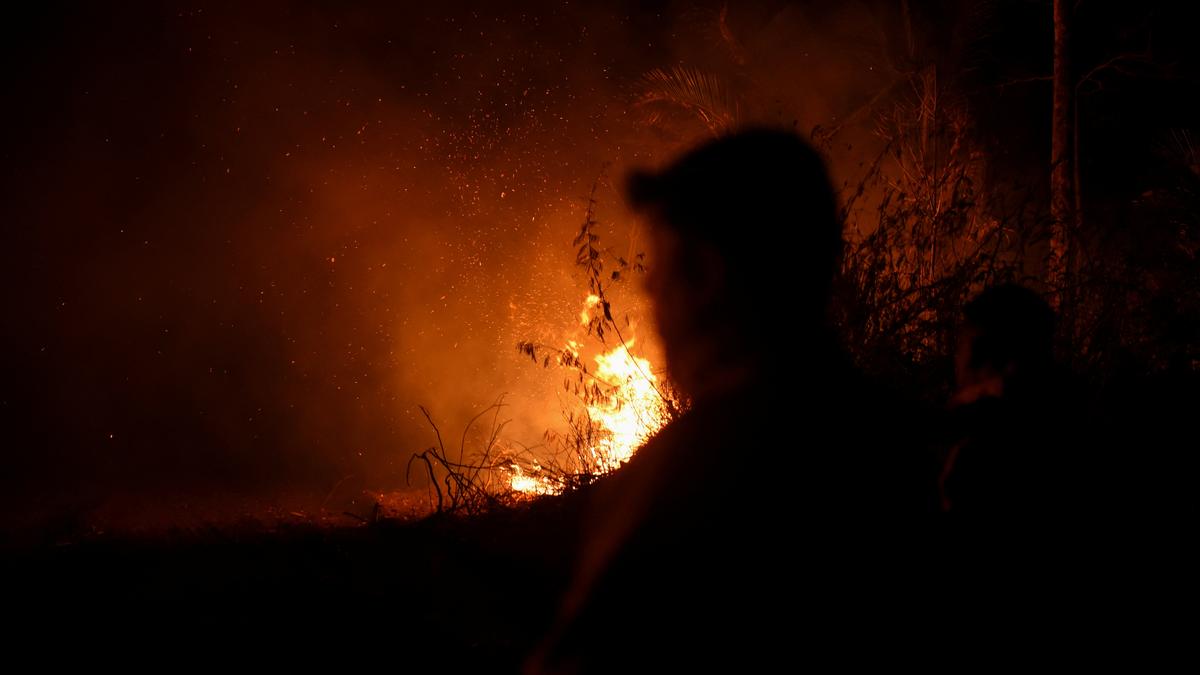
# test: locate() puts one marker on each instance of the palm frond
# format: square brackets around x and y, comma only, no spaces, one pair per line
[701,94]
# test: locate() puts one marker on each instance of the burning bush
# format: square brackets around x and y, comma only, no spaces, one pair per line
[617,404]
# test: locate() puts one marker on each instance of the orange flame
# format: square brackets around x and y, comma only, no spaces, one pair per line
[585,315]
[633,413]
[626,418]
[530,485]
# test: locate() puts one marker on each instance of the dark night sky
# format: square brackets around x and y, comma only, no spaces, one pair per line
[243,241]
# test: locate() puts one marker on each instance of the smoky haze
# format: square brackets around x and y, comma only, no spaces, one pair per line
[244,242]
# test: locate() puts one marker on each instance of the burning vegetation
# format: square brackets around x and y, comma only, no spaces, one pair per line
[613,406]
[255,254]
[370,218]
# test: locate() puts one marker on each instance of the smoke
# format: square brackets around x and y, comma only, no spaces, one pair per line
[244,244]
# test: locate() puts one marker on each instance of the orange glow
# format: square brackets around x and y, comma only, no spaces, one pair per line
[585,315]
[625,412]
[530,485]
[631,415]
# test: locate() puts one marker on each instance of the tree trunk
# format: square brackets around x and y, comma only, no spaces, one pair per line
[1062,202]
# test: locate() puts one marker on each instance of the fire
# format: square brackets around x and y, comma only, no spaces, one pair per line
[631,415]
[585,316]
[529,485]
[628,412]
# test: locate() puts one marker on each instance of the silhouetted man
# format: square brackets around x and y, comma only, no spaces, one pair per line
[1011,413]
[1030,539]
[761,524]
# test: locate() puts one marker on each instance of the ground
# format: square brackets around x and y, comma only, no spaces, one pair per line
[468,593]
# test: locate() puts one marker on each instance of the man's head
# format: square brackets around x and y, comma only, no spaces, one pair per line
[1006,338]
[746,241]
